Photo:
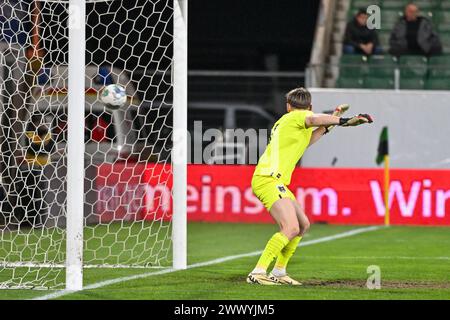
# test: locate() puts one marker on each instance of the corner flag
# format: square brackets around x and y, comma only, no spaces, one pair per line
[383,156]
[383,146]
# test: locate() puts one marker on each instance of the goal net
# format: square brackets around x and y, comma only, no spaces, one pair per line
[128,178]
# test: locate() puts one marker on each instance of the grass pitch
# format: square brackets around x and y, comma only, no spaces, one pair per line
[414,264]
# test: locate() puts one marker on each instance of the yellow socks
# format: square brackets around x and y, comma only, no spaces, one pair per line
[272,250]
[284,256]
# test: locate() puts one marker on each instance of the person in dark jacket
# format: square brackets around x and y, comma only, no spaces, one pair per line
[414,34]
[359,38]
[39,146]
[15,22]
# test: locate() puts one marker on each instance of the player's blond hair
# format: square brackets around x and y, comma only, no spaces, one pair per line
[299,98]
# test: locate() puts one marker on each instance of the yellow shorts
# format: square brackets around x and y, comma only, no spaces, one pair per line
[268,190]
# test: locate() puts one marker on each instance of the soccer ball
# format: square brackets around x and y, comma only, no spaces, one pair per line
[113,96]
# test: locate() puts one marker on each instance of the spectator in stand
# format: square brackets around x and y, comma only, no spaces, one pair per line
[14,21]
[35,184]
[414,34]
[359,38]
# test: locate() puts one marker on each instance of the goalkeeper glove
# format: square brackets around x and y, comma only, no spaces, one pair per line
[339,111]
[356,120]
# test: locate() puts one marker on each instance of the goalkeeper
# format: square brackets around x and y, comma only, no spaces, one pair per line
[289,138]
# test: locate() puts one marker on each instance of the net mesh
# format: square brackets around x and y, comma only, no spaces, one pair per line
[127,209]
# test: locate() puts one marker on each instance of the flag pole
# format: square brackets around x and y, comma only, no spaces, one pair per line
[386,190]
[383,156]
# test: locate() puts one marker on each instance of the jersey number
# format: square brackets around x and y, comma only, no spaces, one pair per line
[273,131]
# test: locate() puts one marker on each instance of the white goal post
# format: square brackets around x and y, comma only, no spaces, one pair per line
[113,186]
[179,161]
[75,145]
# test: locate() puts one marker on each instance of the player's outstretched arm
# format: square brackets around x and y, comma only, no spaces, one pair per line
[320,120]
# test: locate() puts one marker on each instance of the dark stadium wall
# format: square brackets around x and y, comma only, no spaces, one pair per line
[241,35]
[223,34]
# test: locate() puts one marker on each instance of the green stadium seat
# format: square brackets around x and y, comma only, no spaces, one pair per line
[413,59]
[426,5]
[412,83]
[393,4]
[357,4]
[445,5]
[437,84]
[445,40]
[351,13]
[439,67]
[413,66]
[379,83]
[382,66]
[436,19]
[445,37]
[443,27]
[351,82]
[389,18]
[439,72]
[441,17]
[353,65]
[442,60]
[353,58]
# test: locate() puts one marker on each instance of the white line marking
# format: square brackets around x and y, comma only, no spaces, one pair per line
[31,264]
[105,283]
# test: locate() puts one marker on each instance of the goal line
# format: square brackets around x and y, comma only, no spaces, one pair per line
[85,266]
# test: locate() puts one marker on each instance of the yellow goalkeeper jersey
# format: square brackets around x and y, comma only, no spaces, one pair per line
[288,140]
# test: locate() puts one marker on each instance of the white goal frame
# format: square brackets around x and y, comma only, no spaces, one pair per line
[76,147]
